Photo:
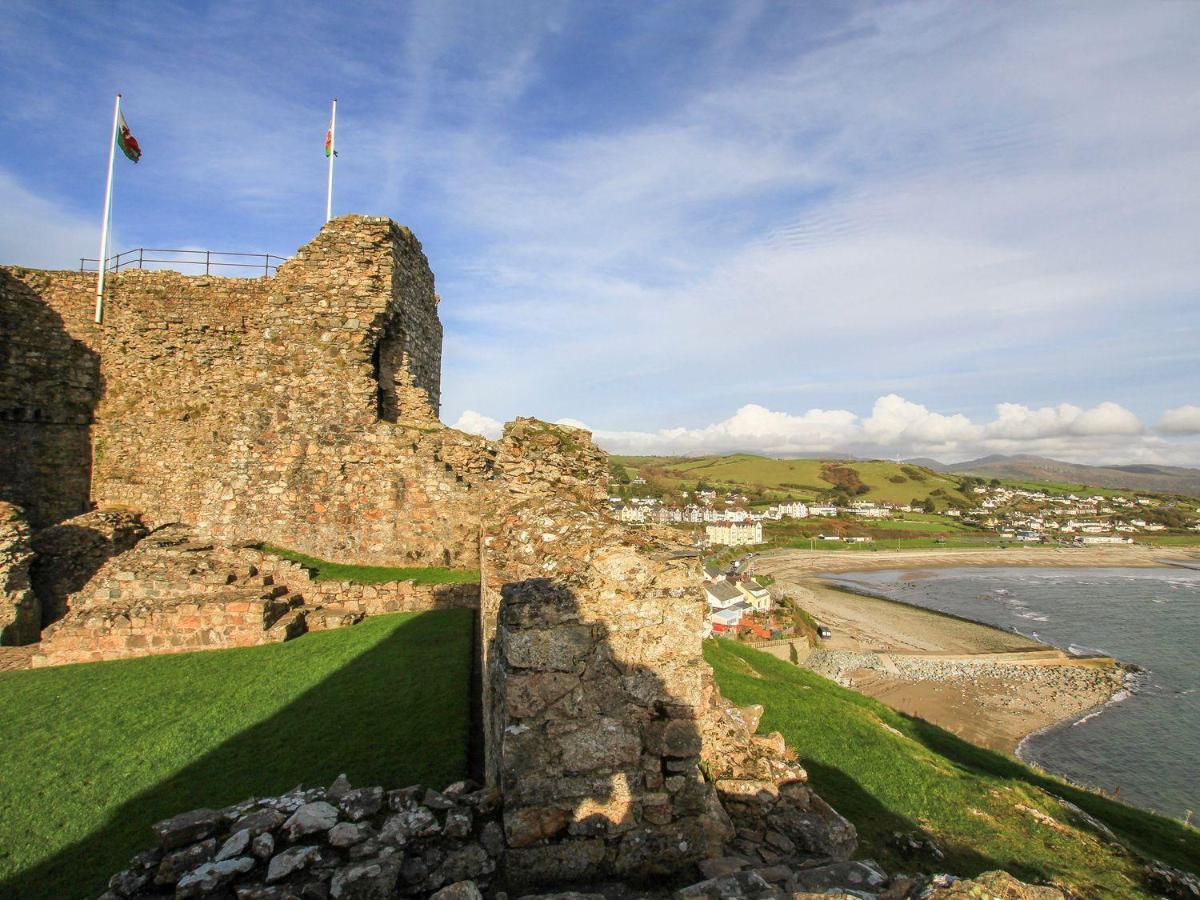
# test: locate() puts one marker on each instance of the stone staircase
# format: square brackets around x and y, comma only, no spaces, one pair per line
[172,593]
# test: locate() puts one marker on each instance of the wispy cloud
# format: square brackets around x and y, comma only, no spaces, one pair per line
[641,218]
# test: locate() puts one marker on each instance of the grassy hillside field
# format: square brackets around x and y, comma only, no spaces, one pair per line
[95,753]
[799,479]
[887,772]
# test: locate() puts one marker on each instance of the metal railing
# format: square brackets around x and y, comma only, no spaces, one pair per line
[210,260]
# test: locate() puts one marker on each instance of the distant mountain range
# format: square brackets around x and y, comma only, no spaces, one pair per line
[1159,479]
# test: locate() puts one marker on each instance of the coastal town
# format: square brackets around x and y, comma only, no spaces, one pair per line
[725,523]
[995,510]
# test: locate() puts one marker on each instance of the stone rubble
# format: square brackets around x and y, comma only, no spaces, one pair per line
[319,844]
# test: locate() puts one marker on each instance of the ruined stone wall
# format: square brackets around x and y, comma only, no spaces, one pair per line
[49,387]
[299,409]
[20,612]
[596,686]
[174,591]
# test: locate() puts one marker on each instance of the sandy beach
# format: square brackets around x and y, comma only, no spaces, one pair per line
[813,562]
[988,686]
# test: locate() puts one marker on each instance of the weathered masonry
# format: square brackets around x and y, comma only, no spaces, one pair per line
[299,409]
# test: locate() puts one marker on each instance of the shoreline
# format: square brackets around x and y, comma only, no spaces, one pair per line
[990,686]
[1120,696]
[816,562]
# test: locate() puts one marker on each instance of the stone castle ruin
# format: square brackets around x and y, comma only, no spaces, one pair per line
[143,462]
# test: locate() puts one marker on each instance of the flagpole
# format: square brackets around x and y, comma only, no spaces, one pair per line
[332,156]
[112,152]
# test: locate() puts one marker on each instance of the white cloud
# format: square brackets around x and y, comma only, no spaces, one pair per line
[751,428]
[895,421]
[477,423]
[1181,420]
[1017,422]
[1105,433]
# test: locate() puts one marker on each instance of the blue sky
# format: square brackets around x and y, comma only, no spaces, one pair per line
[881,228]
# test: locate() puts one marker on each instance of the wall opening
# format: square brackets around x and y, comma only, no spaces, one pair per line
[388,361]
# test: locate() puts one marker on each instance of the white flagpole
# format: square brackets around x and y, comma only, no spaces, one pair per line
[112,151]
[332,155]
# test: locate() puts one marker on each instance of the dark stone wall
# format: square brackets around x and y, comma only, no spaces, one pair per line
[50,384]
[299,409]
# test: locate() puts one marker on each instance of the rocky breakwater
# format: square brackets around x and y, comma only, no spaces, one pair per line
[1078,684]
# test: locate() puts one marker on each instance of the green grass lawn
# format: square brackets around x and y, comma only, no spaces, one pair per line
[95,753]
[323,570]
[889,772]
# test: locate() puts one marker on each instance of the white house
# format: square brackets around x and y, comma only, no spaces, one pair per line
[822,510]
[734,534]
[728,617]
[869,510]
[756,595]
[794,509]
[721,594]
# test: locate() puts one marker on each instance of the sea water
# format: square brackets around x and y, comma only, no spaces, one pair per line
[1147,741]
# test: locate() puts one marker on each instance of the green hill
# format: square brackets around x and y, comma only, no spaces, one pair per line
[889,773]
[798,479]
[95,753]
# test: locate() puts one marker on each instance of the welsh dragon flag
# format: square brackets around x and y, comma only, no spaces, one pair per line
[125,139]
[329,150]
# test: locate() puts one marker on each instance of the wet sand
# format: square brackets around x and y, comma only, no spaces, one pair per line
[988,686]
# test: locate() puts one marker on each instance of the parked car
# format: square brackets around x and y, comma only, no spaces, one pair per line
[823,632]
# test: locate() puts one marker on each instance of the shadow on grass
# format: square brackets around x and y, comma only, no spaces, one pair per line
[1152,835]
[396,714]
[876,824]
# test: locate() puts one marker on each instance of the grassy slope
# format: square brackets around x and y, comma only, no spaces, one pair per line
[95,753]
[888,772]
[745,469]
[323,570]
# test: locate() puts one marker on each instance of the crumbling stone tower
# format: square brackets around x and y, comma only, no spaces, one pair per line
[300,409]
